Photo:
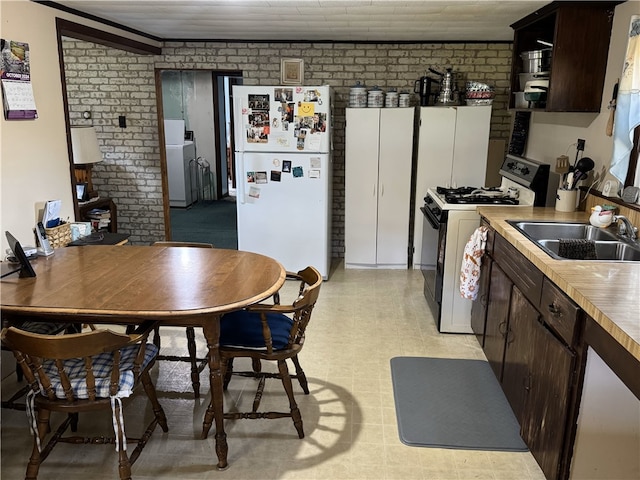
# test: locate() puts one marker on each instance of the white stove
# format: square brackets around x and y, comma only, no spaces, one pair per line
[450,220]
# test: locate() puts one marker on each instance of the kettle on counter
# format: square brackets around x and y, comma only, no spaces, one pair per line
[448,93]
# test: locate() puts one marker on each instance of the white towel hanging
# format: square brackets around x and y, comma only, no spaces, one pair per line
[471,262]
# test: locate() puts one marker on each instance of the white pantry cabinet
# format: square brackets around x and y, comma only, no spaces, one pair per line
[453,145]
[378,156]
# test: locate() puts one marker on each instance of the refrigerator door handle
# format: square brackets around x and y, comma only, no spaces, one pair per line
[240,177]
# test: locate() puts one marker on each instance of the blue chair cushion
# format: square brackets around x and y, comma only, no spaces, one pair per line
[244,329]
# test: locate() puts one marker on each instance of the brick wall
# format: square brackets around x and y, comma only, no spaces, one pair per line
[109,83]
[132,169]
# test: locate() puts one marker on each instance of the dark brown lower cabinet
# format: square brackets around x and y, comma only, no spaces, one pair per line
[497,318]
[536,379]
[530,332]
[479,306]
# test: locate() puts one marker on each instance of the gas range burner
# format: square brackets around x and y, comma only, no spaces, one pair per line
[480,199]
[465,190]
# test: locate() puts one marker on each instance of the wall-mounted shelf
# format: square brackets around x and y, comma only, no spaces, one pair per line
[579,33]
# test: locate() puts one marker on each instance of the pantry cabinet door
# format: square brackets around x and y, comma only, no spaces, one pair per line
[361,185]
[394,186]
[469,166]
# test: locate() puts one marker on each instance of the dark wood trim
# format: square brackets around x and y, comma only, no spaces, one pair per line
[552,8]
[611,200]
[218,128]
[88,16]
[67,122]
[163,154]
[82,32]
[623,364]
[633,158]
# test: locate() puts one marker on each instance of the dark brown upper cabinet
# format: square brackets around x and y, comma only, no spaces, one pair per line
[579,33]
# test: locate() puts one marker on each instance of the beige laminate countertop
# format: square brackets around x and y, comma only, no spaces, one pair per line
[608,291]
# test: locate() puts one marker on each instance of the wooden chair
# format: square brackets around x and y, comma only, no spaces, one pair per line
[84,372]
[271,333]
[197,364]
[43,328]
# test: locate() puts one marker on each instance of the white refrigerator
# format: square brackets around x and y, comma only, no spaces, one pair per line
[283,172]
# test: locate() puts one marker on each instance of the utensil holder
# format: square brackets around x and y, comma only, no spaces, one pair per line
[566,200]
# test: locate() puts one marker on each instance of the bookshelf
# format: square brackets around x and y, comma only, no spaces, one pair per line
[109,212]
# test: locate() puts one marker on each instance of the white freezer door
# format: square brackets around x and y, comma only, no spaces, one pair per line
[284,205]
[282,118]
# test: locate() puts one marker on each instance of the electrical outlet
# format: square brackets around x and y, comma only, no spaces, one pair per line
[580,145]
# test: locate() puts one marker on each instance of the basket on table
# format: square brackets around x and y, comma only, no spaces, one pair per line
[59,236]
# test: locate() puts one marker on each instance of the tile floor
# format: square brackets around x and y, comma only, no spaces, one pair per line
[362,320]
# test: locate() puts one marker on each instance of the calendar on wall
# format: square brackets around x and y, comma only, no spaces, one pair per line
[17,91]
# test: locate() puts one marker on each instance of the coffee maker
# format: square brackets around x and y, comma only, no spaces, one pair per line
[422,87]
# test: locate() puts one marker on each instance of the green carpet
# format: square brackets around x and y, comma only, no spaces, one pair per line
[208,221]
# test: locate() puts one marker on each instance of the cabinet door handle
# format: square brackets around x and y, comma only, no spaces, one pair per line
[382,190]
[555,310]
[502,328]
[483,300]
[526,382]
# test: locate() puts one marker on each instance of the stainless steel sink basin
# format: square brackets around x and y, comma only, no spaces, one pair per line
[617,251]
[555,230]
[609,246]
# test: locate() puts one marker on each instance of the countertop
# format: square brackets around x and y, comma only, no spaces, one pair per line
[609,292]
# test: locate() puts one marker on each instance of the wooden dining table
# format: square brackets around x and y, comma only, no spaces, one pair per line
[124,285]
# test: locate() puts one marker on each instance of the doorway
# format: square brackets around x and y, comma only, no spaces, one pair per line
[196,108]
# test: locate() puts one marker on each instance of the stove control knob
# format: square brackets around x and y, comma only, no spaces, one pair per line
[428,200]
[437,211]
[511,165]
[525,171]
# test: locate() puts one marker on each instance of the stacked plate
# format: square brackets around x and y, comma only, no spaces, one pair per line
[479,94]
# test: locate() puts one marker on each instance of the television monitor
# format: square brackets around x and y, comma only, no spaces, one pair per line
[26,270]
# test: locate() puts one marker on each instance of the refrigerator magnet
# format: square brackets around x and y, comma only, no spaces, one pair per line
[286,166]
[306,109]
[251,177]
[298,172]
[254,192]
[276,162]
[275,175]
[315,162]
[261,177]
[314,173]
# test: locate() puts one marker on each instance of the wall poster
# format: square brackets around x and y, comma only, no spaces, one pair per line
[17,91]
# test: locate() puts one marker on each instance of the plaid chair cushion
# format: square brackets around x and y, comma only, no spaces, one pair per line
[102,365]
[43,328]
[244,329]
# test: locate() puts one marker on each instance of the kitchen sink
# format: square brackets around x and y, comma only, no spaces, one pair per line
[617,250]
[555,230]
[608,245]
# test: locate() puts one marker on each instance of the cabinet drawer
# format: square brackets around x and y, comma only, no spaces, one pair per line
[559,312]
[524,274]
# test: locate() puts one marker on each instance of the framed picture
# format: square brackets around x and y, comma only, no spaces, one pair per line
[292,71]
[82,192]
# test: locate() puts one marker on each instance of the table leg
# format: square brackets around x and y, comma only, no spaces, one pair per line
[215,410]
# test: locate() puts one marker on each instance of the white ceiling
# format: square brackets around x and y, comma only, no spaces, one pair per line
[305,20]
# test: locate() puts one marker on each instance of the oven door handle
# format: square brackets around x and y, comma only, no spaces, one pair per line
[429,216]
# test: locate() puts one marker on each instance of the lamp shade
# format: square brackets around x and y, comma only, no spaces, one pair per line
[84,143]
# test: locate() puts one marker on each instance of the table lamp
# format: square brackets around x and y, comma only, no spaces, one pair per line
[86,152]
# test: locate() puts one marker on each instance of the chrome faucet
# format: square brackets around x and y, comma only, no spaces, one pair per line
[625,227]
